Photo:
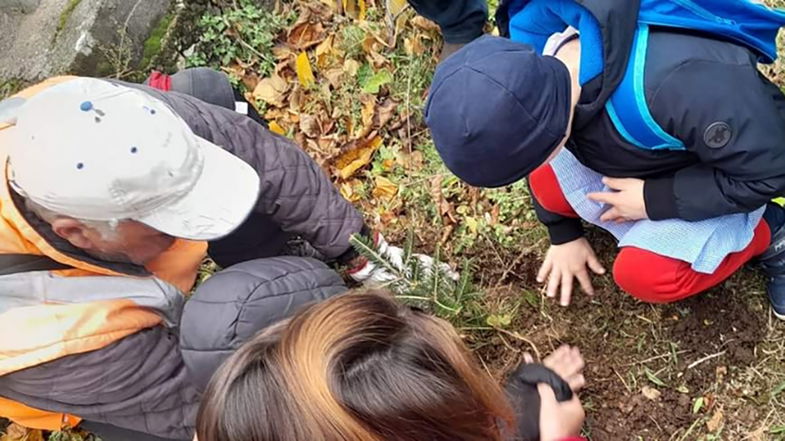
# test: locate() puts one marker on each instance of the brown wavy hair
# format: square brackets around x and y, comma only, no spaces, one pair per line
[356,367]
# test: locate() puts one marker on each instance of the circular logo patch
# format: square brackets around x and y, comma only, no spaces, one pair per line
[717,135]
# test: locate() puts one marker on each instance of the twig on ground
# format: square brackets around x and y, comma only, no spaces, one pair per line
[509,346]
[518,336]
[707,358]
[650,359]
[689,431]
[626,386]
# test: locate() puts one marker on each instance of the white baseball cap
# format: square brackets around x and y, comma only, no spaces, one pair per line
[95,150]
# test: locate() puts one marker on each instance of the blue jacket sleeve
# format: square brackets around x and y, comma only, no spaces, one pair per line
[733,120]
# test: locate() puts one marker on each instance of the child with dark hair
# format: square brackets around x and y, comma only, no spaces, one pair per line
[648,118]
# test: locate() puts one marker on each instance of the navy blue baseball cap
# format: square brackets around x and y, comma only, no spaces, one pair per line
[497,110]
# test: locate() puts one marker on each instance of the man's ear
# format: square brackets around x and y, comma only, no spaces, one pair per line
[73,231]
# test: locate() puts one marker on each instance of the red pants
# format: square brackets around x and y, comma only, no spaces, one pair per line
[644,274]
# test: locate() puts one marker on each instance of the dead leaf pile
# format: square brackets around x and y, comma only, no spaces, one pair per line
[338,91]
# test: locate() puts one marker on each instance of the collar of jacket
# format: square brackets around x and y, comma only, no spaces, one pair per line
[44,231]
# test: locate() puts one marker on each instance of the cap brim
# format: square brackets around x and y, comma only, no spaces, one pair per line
[219,202]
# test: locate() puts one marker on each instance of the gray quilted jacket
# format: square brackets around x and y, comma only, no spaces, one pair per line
[295,193]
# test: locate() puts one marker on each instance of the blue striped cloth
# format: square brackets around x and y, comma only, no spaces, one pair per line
[703,244]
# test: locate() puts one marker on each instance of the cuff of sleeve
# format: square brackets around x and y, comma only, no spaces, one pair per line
[350,255]
[565,230]
[660,199]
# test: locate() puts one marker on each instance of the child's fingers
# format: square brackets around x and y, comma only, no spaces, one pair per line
[566,289]
[553,283]
[585,281]
[603,197]
[595,265]
[545,269]
[613,214]
[576,382]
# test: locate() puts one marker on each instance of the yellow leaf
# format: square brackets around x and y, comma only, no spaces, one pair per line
[351,190]
[323,52]
[368,109]
[276,128]
[385,189]
[471,223]
[356,157]
[304,71]
[395,7]
[271,90]
[15,432]
[361,7]
[350,7]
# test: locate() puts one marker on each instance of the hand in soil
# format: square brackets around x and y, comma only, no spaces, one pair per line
[568,363]
[566,262]
[559,420]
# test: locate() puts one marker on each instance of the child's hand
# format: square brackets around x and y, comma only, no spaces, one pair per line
[559,420]
[563,263]
[626,203]
[568,363]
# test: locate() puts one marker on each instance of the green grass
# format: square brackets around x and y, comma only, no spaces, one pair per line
[153,44]
[65,15]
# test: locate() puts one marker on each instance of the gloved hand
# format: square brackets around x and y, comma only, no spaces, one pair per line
[369,273]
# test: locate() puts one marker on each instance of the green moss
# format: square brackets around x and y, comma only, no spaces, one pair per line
[65,15]
[152,46]
[11,86]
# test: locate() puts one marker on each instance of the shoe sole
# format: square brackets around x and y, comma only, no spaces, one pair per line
[779,316]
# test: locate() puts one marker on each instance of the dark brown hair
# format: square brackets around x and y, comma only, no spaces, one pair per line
[357,367]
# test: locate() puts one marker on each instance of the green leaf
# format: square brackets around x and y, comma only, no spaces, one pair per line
[375,82]
[653,378]
[776,430]
[698,405]
[499,320]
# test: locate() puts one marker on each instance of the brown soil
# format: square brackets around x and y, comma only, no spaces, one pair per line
[623,338]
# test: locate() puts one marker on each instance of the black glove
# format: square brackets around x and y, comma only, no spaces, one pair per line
[521,388]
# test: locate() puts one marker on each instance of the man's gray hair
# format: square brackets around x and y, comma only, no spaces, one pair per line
[107,229]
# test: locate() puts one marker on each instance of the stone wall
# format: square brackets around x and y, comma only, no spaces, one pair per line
[41,38]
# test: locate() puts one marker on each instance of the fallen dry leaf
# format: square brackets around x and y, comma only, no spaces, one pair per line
[334,77]
[351,67]
[276,128]
[385,189]
[356,156]
[368,110]
[355,8]
[272,90]
[351,190]
[395,7]
[304,71]
[384,113]
[310,126]
[282,52]
[716,421]
[323,51]
[306,35]
[15,432]
[425,24]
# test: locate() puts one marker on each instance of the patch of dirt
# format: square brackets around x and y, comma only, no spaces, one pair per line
[692,348]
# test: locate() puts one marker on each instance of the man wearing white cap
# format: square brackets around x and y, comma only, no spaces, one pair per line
[110,193]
